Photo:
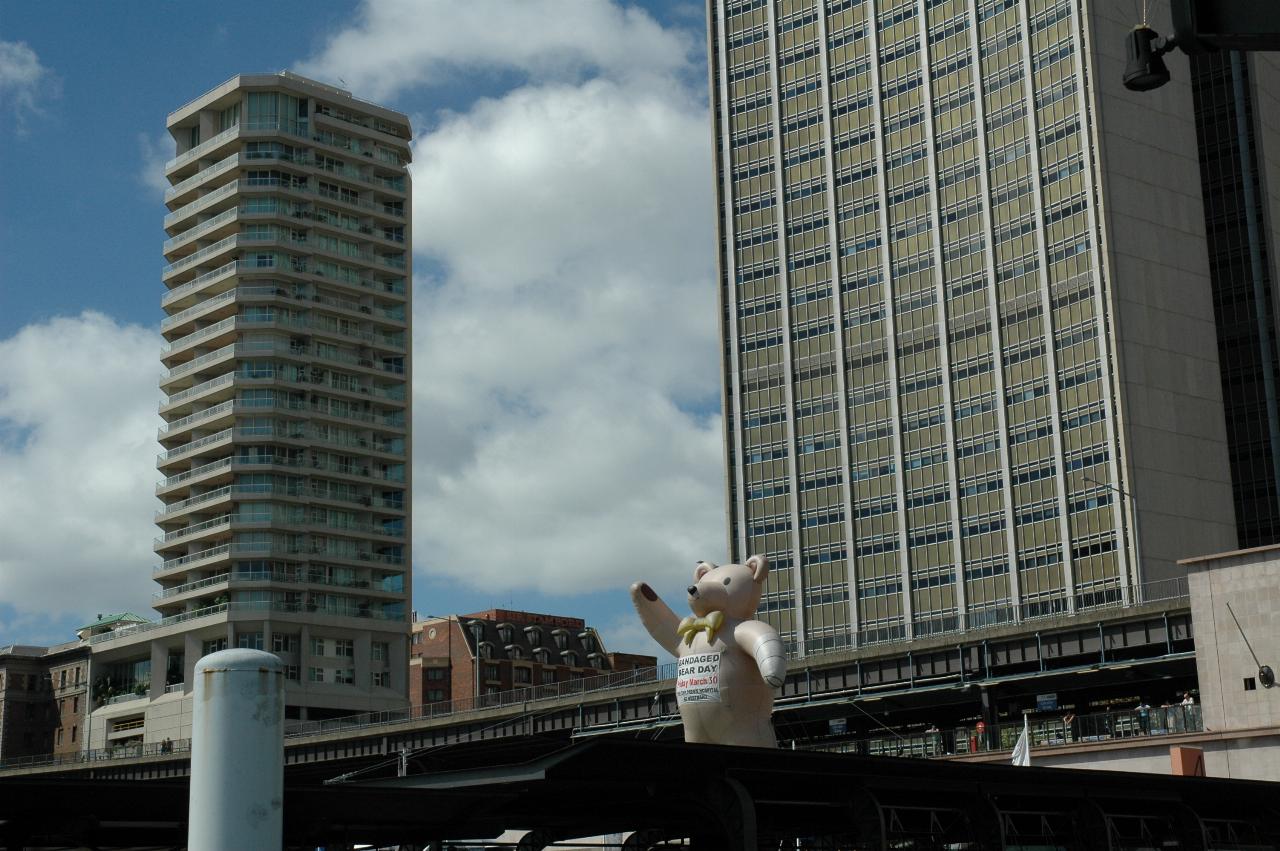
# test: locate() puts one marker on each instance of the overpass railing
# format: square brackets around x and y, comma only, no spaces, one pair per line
[1045,732]
[132,750]
[511,697]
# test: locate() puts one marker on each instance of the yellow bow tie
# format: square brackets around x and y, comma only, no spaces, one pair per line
[691,626]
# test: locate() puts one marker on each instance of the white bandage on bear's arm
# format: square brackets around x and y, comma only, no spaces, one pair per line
[771,657]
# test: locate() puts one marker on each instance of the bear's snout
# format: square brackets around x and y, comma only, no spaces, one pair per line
[693,590]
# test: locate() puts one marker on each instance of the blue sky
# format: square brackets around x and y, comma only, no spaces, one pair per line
[566,402]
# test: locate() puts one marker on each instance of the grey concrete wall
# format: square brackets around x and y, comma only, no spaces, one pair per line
[1170,408]
[1250,583]
[1255,757]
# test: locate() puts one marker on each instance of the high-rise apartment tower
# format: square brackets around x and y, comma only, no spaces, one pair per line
[285,462]
[969,355]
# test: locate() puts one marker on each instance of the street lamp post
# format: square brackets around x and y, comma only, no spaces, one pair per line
[1133,508]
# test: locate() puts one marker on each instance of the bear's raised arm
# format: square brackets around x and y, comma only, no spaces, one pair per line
[657,617]
[761,642]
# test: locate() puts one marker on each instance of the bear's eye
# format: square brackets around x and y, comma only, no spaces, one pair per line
[727,579]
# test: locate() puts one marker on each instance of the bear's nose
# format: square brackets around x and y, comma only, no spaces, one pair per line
[693,590]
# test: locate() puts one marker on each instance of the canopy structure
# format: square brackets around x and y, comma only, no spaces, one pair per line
[717,797]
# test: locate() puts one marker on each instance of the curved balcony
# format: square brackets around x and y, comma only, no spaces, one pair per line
[205,148]
[224,219]
[189,262]
[182,192]
[201,203]
[182,291]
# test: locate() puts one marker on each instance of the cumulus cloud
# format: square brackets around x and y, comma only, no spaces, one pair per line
[23,80]
[567,436]
[398,44]
[77,459]
[154,152]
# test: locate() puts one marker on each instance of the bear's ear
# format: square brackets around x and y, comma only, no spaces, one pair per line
[703,568]
[759,567]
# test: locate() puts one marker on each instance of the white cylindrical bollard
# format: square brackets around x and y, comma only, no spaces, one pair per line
[237,752]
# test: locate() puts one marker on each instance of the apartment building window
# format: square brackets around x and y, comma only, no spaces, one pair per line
[59,737]
[523,675]
[562,639]
[345,675]
[284,643]
[62,680]
[74,730]
[249,640]
[382,678]
[491,672]
[213,645]
[75,706]
[436,673]
[344,647]
[548,676]
[435,694]
[315,675]
[588,644]
[491,690]
[317,647]
[380,651]
[291,672]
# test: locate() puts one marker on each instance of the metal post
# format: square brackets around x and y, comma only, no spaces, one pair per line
[237,752]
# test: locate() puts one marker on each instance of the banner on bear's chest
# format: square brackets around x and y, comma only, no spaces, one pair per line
[698,679]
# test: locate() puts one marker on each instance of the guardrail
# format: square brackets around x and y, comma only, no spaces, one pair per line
[131,751]
[1060,730]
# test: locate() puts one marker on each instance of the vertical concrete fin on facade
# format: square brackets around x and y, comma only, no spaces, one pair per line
[784,291]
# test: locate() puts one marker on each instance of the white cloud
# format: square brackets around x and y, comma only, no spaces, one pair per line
[154,153]
[399,44]
[77,460]
[23,80]
[566,373]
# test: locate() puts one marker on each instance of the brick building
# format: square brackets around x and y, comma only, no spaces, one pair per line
[43,699]
[486,653]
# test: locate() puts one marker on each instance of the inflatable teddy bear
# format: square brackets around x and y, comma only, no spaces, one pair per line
[729,662]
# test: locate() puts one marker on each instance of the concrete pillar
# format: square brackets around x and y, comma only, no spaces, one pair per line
[237,752]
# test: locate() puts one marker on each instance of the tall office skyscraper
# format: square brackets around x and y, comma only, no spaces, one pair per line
[970,367]
[285,462]
[1236,122]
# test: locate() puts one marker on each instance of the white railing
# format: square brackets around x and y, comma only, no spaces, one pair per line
[201,176]
[212,383]
[182,315]
[224,520]
[198,499]
[185,448]
[203,148]
[125,631]
[208,413]
[207,357]
[200,203]
[203,227]
[193,473]
[196,283]
[202,334]
[191,586]
[208,251]
[192,558]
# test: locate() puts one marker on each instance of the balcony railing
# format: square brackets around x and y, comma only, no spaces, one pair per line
[135,629]
[203,148]
[192,558]
[196,309]
[199,416]
[200,203]
[190,260]
[208,331]
[206,358]
[224,271]
[203,227]
[199,177]
[188,448]
[211,384]
[187,531]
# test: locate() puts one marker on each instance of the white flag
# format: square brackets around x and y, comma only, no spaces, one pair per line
[1022,750]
